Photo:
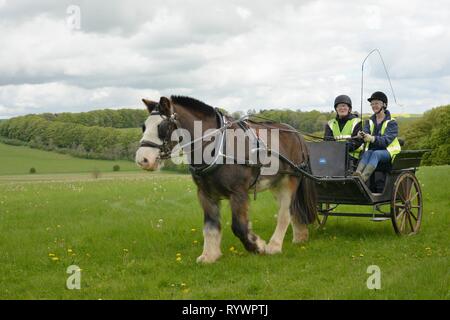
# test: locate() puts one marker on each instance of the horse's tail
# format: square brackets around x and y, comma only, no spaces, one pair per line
[304,201]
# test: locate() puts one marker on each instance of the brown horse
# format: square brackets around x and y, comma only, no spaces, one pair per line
[294,192]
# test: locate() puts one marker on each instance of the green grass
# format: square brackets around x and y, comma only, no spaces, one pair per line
[19,159]
[125,232]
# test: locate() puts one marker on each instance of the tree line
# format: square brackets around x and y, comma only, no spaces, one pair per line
[114,134]
[76,139]
[431,131]
[121,118]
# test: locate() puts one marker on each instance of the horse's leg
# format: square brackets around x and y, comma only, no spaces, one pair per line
[240,223]
[211,229]
[284,195]
[300,231]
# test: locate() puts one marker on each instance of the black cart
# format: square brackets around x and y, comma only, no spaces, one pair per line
[332,172]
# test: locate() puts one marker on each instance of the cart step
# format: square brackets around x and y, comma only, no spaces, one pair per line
[378,219]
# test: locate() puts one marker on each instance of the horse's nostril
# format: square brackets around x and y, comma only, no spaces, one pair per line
[145,160]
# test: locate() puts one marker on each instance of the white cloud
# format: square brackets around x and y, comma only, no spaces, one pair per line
[57,97]
[258,55]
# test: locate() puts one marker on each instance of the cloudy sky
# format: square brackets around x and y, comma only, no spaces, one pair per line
[74,56]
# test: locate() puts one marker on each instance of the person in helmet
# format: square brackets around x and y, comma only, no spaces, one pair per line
[345,126]
[380,137]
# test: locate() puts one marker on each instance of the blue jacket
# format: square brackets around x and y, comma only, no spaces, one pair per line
[382,141]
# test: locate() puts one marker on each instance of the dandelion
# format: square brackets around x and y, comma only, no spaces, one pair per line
[195,242]
[303,247]
[51,255]
[232,249]
[69,250]
[125,250]
[185,290]
[193,230]
[178,259]
[55,259]
[361,255]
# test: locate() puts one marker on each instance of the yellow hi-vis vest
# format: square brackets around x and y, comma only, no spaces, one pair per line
[394,147]
[346,133]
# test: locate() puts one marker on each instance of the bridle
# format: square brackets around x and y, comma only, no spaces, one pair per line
[165,148]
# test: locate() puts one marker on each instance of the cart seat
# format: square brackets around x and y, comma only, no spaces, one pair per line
[406,159]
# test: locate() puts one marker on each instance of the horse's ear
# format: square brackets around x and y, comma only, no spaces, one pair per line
[164,106]
[151,105]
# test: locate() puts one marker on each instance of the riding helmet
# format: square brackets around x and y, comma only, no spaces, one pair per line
[343,99]
[378,95]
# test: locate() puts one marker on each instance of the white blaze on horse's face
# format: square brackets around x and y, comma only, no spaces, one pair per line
[147,157]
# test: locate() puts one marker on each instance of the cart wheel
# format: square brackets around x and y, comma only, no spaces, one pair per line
[406,204]
[322,214]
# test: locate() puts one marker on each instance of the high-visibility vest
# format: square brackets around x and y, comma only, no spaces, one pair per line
[394,147]
[346,133]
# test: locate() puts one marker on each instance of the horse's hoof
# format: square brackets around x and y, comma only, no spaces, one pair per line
[300,240]
[261,246]
[273,248]
[207,258]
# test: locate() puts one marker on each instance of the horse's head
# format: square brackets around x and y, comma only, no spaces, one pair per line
[156,143]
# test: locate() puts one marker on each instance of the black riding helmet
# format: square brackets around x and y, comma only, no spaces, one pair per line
[378,95]
[343,99]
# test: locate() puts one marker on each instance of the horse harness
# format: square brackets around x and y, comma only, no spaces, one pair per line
[169,123]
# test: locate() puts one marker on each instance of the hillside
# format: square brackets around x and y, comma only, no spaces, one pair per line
[19,160]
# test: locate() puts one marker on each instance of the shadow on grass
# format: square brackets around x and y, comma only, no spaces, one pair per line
[378,230]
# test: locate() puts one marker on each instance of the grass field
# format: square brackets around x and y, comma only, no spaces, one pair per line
[126,232]
[17,160]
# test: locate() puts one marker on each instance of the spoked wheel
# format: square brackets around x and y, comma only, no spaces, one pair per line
[322,215]
[406,204]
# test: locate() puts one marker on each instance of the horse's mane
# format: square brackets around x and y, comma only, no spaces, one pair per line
[193,104]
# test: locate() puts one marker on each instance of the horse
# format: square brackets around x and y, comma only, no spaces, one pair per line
[294,192]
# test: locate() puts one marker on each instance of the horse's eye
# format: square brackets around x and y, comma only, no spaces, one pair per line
[143,128]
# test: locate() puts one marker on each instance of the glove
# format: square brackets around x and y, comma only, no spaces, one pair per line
[368,138]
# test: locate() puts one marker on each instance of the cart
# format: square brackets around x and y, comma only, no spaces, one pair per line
[400,190]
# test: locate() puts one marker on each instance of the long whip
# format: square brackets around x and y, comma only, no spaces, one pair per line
[387,75]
